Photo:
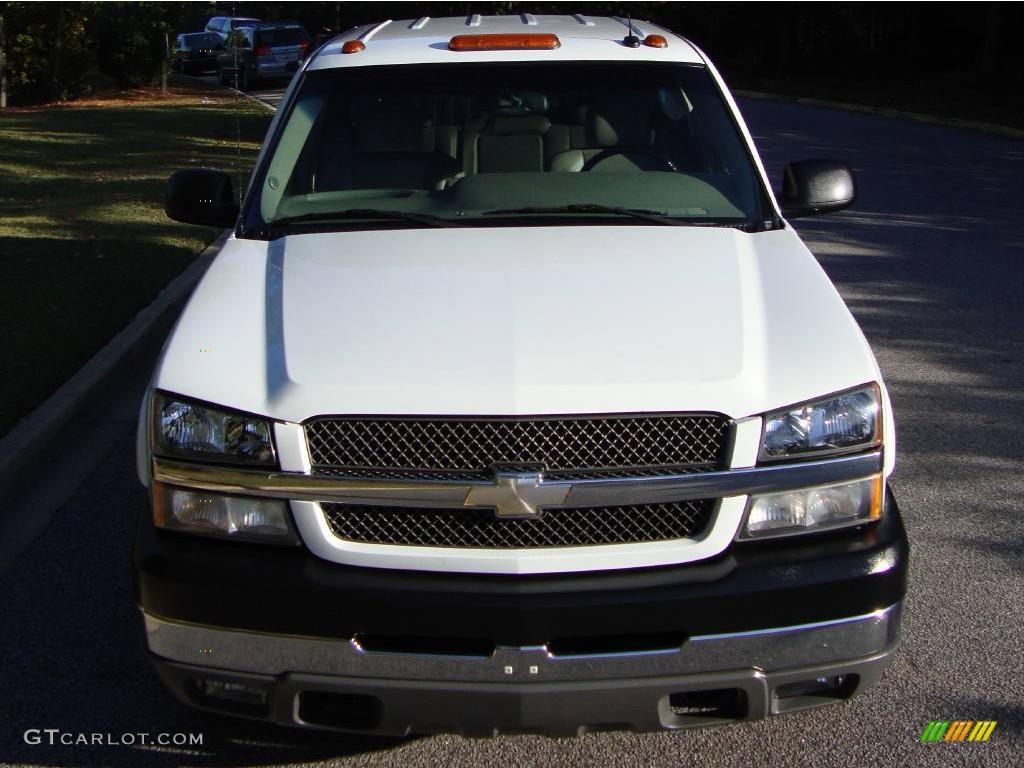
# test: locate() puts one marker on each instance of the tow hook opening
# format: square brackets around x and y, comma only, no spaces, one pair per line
[328,709]
[814,692]
[229,696]
[705,707]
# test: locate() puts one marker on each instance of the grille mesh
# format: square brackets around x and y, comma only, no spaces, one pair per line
[557,527]
[562,447]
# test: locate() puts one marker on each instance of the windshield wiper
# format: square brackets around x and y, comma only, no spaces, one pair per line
[366,213]
[657,217]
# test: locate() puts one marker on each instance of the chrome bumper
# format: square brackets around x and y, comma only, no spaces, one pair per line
[764,650]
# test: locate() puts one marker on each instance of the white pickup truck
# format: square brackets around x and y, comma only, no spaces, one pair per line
[514,402]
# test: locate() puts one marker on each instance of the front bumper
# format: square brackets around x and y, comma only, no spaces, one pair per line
[708,681]
[760,617]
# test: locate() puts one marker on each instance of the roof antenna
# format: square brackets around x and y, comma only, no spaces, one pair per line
[630,40]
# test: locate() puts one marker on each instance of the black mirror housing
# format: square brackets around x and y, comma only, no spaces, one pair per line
[810,187]
[201,196]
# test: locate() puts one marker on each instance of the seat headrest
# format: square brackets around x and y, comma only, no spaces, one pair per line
[506,125]
[619,124]
[522,103]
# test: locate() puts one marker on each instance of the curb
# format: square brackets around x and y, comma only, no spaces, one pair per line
[31,436]
[250,97]
[917,117]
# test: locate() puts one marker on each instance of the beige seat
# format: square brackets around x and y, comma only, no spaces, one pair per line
[619,136]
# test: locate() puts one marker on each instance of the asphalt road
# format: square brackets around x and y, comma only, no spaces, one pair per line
[932,263]
[269,92]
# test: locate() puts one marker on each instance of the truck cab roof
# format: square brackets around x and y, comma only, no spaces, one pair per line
[426,40]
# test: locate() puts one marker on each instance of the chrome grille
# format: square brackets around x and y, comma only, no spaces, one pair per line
[564,448]
[556,527]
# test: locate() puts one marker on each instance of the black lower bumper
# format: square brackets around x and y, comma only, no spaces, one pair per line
[399,707]
[753,585]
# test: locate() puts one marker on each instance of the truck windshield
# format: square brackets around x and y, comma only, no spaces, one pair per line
[575,142]
[199,40]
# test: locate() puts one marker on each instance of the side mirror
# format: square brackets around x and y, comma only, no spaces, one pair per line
[816,186]
[201,196]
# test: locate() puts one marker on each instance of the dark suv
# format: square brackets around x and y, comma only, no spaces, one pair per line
[262,51]
[196,52]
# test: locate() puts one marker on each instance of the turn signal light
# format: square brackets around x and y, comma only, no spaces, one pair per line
[524,42]
[353,46]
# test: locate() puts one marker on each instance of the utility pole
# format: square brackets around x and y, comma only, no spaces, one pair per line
[163,69]
[54,79]
[55,55]
[3,65]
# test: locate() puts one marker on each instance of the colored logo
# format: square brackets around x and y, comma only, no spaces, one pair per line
[958,730]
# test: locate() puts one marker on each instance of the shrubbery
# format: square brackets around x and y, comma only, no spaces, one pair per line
[36,68]
[53,50]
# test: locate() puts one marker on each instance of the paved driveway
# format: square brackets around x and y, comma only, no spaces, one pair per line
[931,262]
[269,92]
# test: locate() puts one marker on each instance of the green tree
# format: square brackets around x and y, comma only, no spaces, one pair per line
[45,50]
[129,41]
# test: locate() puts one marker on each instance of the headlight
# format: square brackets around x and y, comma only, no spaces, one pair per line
[244,518]
[838,424]
[813,509]
[191,431]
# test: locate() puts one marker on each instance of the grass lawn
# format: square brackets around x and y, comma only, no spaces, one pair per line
[84,242]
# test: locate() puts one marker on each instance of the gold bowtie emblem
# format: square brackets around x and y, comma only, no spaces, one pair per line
[517,495]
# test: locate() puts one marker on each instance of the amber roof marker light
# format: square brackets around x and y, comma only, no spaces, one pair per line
[655,41]
[521,42]
[353,46]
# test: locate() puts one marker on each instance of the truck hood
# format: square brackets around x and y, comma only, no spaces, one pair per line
[510,321]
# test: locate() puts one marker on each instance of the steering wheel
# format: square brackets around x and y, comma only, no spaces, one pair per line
[666,163]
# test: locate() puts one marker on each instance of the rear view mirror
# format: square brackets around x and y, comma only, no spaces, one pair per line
[816,186]
[201,196]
